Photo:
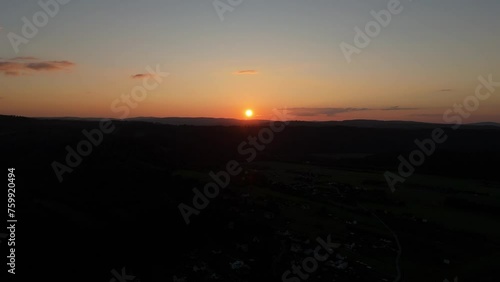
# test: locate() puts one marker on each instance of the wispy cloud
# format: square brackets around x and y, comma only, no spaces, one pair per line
[242,72]
[49,66]
[304,112]
[397,108]
[445,90]
[141,75]
[29,65]
[426,115]
[27,58]
[334,111]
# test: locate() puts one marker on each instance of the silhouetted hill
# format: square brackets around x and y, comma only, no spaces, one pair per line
[203,121]
[119,206]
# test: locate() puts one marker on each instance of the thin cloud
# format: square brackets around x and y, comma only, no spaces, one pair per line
[29,65]
[397,108]
[27,58]
[306,112]
[445,90]
[53,65]
[426,115]
[141,75]
[243,72]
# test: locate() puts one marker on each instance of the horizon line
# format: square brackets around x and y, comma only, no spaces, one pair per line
[236,119]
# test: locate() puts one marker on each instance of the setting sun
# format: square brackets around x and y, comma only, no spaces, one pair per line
[249,113]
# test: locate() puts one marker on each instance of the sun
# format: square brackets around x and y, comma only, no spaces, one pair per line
[249,113]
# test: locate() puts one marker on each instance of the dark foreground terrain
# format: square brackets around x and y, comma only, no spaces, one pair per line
[312,190]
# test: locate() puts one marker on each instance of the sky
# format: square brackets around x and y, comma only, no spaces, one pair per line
[223,57]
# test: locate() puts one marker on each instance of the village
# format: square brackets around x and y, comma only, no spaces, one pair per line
[272,224]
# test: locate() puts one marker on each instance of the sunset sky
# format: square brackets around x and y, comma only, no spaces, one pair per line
[263,55]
